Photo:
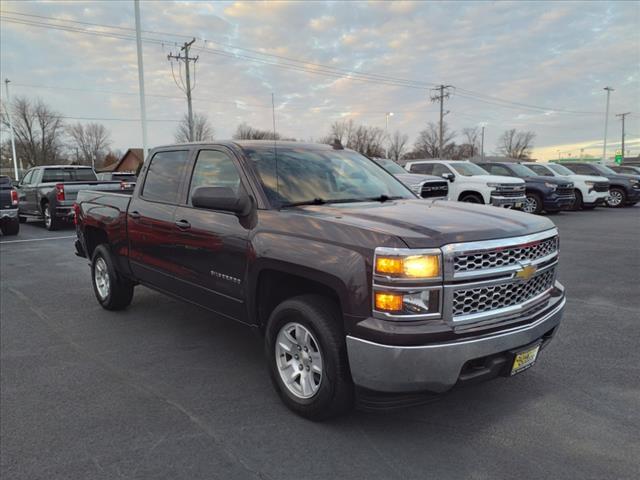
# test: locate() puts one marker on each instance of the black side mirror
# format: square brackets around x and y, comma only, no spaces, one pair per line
[449,176]
[222,198]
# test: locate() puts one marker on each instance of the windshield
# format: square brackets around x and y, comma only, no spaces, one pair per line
[560,169]
[522,171]
[391,167]
[468,169]
[605,170]
[308,175]
[540,170]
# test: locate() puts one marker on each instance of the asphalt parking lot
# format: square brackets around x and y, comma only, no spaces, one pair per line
[166,390]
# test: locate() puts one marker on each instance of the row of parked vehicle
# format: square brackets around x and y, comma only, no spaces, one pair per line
[529,186]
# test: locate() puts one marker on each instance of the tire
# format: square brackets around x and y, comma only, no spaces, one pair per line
[22,219]
[472,198]
[617,198]
[330,392]
[112,290]
[11,227]
[51,223]
[578,203]
[588,207]
[532,204]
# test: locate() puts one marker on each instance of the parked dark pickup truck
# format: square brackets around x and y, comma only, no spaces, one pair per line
[358,286]
[9,224]
[542,193]
[49,192]
[624,190]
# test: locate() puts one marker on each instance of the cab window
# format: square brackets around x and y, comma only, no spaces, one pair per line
[214,169]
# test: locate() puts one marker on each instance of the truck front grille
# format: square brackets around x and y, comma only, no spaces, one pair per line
[483,299]
[434,189]
[506,256]
[601,187]
[563,191]
[509,191]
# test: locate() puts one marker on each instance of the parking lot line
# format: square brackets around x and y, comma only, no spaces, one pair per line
[37,239]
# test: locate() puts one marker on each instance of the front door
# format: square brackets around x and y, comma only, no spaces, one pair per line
[27,193]
[150,220]
[211,247]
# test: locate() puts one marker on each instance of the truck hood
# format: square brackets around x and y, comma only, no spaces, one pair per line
[584,178]
[416,178]
[431,223]
[560,181]
[493,179]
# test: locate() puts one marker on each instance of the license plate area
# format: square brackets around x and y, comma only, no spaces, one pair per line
[524,358]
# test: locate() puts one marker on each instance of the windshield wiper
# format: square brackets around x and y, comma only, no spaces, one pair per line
[322,201]
[384,198]
[315,201]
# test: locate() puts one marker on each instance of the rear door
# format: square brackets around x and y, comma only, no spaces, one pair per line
[27,192]
[150,220]
[211,247]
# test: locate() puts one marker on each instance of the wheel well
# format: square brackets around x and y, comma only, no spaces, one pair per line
[472,193]
[93,237]
[274,287]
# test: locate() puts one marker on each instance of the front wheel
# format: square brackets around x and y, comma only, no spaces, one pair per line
[532,204]
[471,198]
[113,291]
[617,198]
[307,357]
[578,203]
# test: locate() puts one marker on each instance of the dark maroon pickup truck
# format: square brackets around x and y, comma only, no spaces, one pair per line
[362,290]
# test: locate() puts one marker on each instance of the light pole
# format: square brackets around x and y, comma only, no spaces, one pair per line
[482,142]
[606,125]
[386,129]
[558,154]
[13,141]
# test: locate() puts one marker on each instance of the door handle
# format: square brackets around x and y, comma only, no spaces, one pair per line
[183,224]
[135,215]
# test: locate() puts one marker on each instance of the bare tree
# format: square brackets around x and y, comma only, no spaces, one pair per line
[202,129]
[428,142]
[515,144]
[91,142]
[361,138]
[38,132]
[470,147]
[247,132]
[398,145]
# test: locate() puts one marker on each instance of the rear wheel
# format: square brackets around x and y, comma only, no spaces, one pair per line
[307,357]
[471,198]
[617,198]
[50,221]
[11,227]
[113,291]
[533,203]
[578,204]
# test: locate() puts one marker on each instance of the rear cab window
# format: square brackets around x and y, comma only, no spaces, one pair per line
[424,168]
[164,176]
[51,175]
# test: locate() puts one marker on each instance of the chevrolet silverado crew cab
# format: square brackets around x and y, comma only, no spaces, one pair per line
[624,189]
[470,183]
[425,186]
[361,289]
[590,191]
[49,192]
[543,193]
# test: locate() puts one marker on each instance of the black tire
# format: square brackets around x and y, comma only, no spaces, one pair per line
[11,227]
[471,198]
[51,222]
[321,317]
[119,290]
[578,203]
[620,196]
[22,219]
[534,202]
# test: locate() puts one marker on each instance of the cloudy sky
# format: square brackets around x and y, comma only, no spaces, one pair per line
[537,66]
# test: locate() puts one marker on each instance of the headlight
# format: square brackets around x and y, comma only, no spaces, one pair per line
[552,186]
[412,266]
[493,185]
[589,184]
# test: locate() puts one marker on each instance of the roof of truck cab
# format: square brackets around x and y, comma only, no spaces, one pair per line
[253,144]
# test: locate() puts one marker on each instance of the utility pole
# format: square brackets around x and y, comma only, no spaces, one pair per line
[606,125]
[143,106]
[622,115]
[482,145]
[13,141]
[444,93]
[187,89]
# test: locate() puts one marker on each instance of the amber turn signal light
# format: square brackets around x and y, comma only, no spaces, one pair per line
[388,302]
[413,266]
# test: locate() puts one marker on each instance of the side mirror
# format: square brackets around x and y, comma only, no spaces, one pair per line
[449,176]
[222,198]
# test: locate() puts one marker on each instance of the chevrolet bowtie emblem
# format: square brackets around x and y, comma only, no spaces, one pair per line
[526,273]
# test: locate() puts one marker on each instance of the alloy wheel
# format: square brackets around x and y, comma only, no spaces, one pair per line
[299,360]
[101,278]
[615,198]
[530,205]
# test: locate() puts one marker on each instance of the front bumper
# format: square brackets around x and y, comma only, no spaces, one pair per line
[508,202]
[437,367]
[9,214]
[556,202]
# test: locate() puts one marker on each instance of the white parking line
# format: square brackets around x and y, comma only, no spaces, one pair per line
[36,239]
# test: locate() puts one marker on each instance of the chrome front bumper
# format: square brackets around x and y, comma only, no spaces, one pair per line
[436,367]
[510,202]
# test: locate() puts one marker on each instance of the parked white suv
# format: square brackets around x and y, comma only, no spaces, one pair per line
[470,183]
[590,190]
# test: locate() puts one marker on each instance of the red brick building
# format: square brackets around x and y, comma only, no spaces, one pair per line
[130,162]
